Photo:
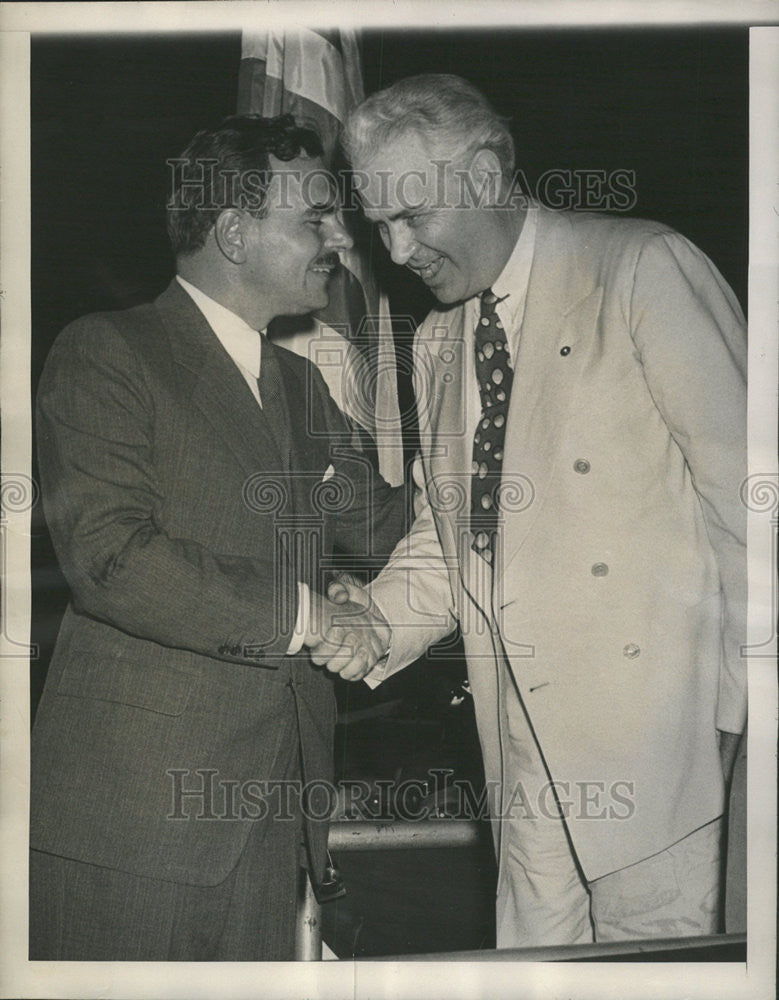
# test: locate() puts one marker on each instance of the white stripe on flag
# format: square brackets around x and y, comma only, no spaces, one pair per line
[355,92]
[306,63]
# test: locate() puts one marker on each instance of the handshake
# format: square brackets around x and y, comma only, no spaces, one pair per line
[346,631]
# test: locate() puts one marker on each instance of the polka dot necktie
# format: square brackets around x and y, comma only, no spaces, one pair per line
[495,377]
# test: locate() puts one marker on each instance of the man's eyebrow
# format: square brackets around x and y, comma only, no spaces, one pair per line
[403,213]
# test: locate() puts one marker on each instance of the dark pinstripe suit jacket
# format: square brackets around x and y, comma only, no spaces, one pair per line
[182,533]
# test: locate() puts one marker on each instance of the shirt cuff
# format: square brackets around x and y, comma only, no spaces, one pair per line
[302,620]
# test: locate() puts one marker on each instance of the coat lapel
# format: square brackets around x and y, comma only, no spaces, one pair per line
[442,406]
[560,319]
[448,440]
[217,387]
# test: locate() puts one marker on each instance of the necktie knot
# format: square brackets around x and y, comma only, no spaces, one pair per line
[489,325]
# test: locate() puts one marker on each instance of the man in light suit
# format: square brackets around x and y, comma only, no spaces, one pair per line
[196,480]
[581,398]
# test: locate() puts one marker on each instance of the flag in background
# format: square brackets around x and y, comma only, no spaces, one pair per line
[316,76]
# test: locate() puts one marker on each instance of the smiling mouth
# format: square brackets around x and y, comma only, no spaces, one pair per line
[427,271]
[325,267]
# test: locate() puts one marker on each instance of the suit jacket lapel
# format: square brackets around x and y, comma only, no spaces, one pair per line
[448,440]
[217,387]
[560,318]
[561,312]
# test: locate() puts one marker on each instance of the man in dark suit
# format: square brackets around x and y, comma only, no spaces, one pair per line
[196,480]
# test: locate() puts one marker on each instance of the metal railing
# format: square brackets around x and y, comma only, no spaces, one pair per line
[710,948]
[359,835]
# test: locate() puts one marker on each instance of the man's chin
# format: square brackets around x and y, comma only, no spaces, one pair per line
[446,292]
[446,296]
[314,304]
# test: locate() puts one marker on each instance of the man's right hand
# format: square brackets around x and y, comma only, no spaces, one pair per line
[348,636]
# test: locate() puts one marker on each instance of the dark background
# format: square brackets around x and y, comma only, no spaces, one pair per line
[670,105]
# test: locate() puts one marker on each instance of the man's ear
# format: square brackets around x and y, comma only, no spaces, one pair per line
[230,236]
[486,172]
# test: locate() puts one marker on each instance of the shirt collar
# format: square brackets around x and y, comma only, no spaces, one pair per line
[242,342]
[511,284]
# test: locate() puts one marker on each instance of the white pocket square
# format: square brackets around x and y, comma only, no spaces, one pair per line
[329,473]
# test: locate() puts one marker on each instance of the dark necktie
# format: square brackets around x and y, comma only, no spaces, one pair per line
[495,377]
[274,402]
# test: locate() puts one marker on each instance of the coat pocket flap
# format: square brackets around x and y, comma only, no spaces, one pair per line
[155,687]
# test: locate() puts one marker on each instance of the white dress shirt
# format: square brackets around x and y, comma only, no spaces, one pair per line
[244,345]
[511,286]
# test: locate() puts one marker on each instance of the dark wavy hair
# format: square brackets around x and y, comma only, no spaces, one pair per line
[228,167]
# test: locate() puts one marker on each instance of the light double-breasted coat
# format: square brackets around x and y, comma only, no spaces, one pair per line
[618,598]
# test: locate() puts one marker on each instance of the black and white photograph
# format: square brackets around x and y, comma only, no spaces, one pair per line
[389,500]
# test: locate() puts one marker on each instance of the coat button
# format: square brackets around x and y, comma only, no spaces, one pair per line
[565,351]
[599,569]
[631,651]
[582,466]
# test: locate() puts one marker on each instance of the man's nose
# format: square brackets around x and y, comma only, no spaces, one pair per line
[338,238]
[400,243]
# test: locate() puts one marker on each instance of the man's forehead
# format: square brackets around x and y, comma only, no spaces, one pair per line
[409,172]
[406,146]
[303,183]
